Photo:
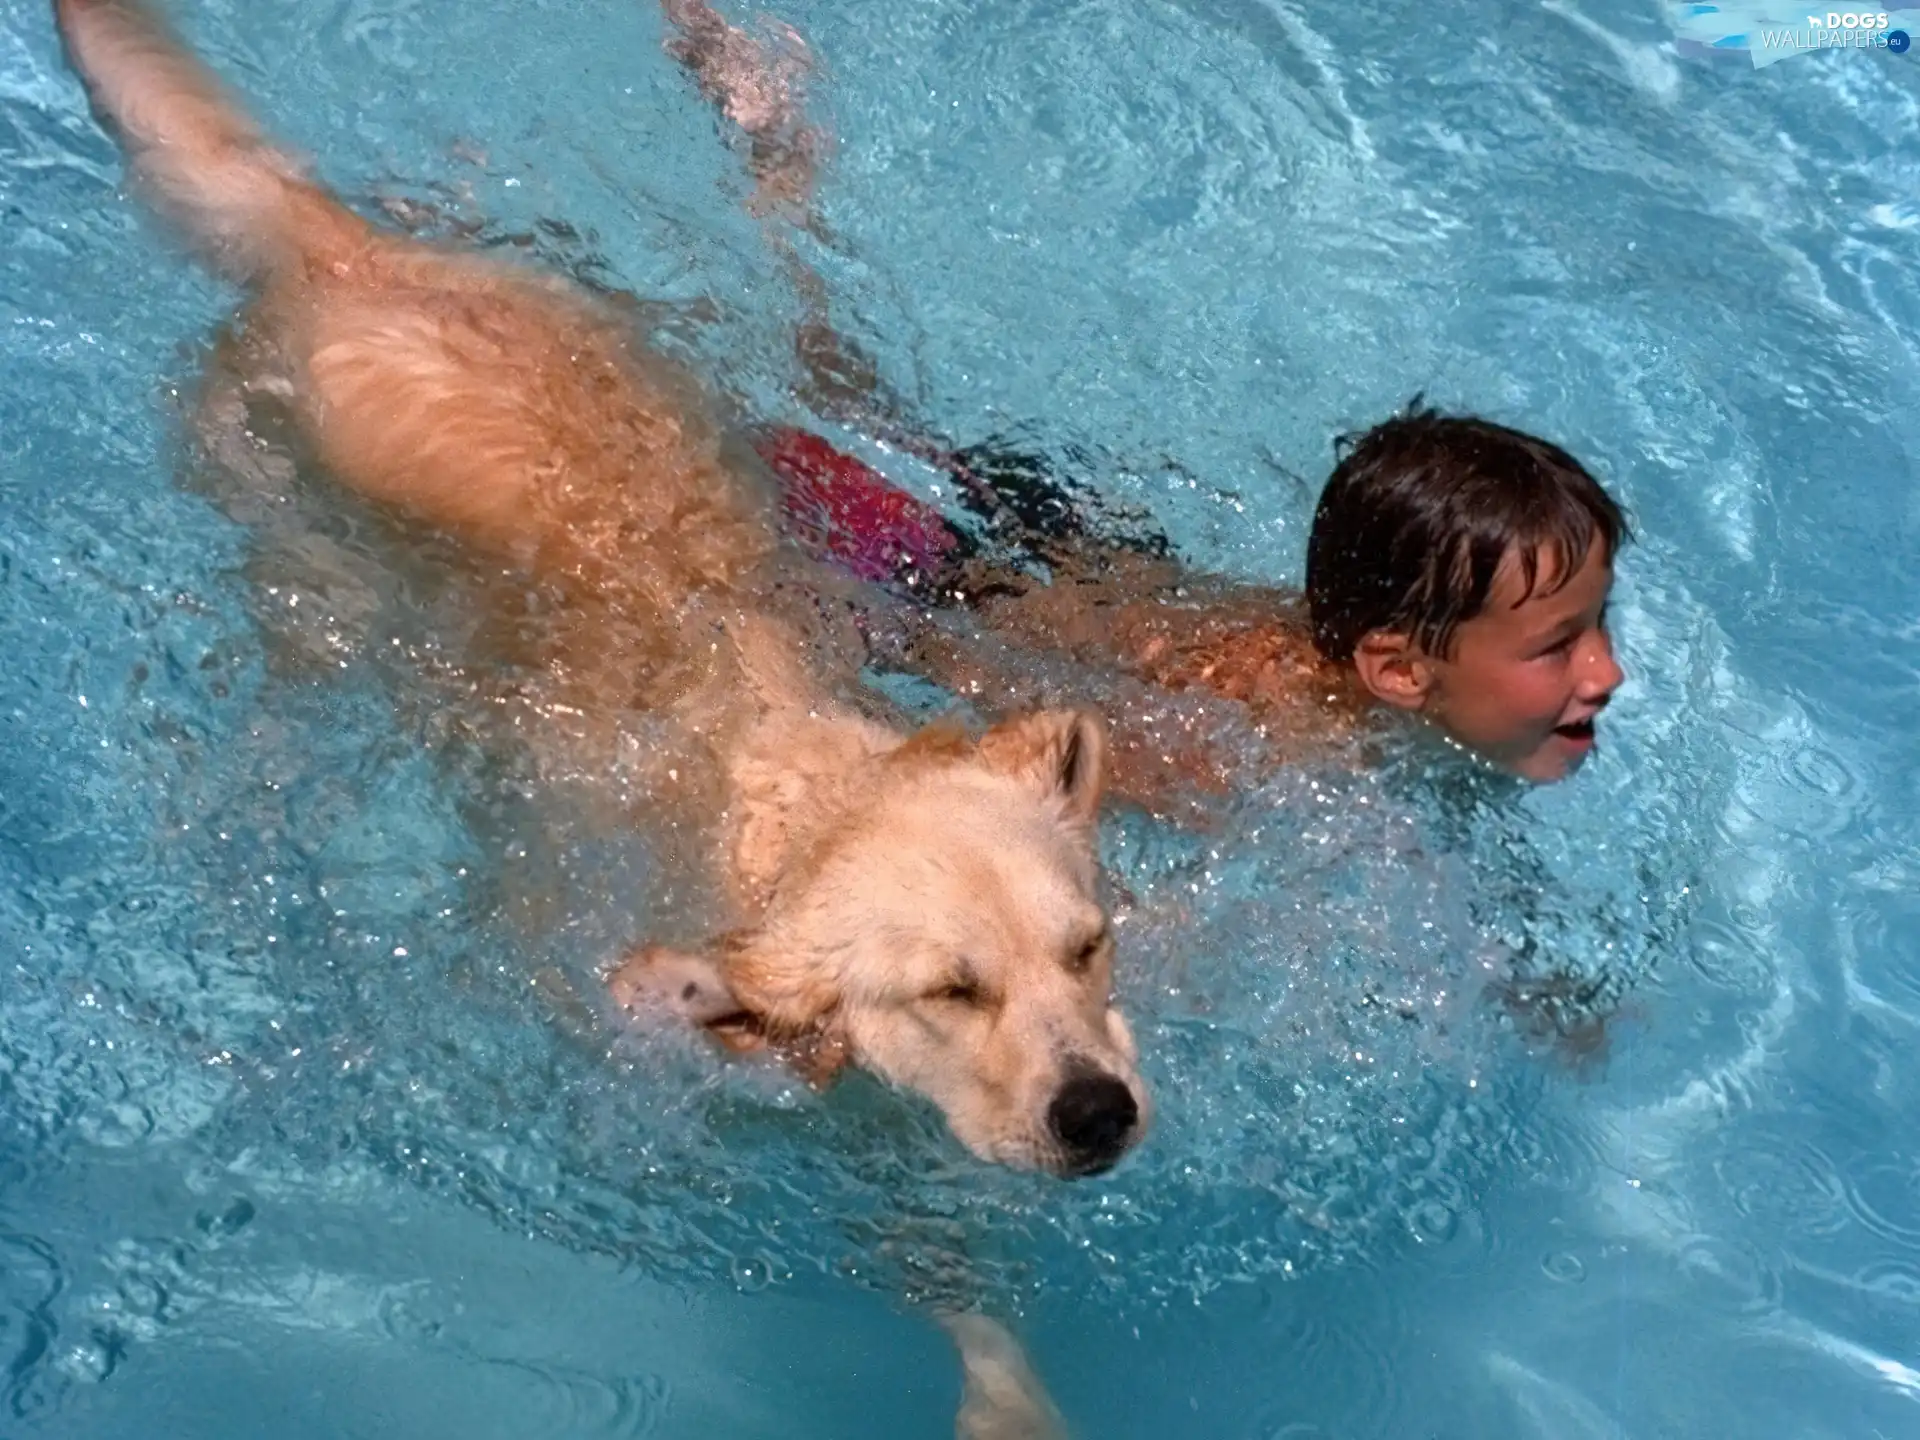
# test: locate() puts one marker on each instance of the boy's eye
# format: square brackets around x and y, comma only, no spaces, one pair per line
[1559,647]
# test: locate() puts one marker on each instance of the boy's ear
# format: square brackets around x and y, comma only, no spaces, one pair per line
[1393,669]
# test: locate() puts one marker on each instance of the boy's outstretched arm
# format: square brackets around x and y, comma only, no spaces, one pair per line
[1205,689]
[1185,633]
[1175,766]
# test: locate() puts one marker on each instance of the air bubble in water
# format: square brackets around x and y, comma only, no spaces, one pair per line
[751,1273]
[1432,1222]
[1565,1268]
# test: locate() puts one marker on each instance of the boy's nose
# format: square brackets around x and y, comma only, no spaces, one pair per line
[1600,675]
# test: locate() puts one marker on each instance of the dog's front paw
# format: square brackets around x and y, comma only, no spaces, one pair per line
[1002,1398]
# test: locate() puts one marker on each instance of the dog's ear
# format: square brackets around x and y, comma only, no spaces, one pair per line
[792,998]
[1061,753]
[796,1005]
[741,996]
[690,987]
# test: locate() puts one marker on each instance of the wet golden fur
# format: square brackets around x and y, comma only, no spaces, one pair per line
[922,906]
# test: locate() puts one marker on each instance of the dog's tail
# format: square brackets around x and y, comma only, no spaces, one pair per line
[245,206]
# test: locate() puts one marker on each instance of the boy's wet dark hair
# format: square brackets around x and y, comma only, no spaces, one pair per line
[1419,514]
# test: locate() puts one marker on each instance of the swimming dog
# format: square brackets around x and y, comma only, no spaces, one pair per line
[920,904]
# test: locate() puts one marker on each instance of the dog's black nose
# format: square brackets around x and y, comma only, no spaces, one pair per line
[1092,1117]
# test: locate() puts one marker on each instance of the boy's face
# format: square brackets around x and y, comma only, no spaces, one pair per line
[1525,678]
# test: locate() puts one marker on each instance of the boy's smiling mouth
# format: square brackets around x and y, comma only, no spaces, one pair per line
[1578,733]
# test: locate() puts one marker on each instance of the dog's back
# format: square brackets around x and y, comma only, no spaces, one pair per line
[505,407]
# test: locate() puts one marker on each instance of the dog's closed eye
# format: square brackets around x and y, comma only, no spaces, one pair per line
[1082,959]
[957,992]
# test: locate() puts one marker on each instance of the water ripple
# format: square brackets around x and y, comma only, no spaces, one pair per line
[1883,1194]
[1894,1281]
[1784,1186]
[1731,1276]
[572,1402]
[1347,1353]
[30,1282]
[1730,957]
[1816,792]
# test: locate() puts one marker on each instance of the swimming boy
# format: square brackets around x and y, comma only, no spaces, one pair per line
[1457,569]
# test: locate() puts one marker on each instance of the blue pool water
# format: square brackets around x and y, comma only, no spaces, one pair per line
[303,1135]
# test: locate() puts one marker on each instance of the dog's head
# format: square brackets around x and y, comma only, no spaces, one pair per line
[942,929]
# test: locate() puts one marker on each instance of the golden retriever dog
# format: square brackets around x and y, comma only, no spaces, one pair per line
[923,905]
